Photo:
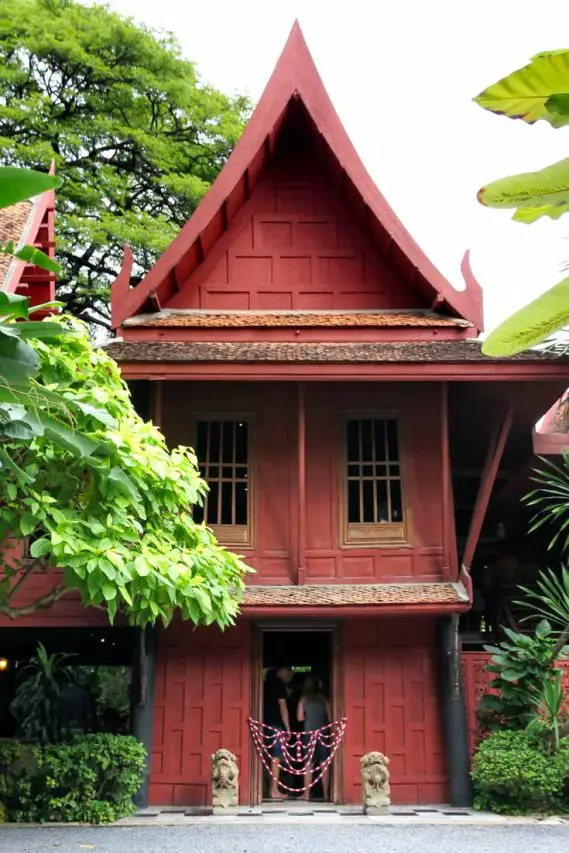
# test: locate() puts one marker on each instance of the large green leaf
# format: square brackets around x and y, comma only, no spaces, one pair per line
[18,361]
[21,184]
[525,94]
[13,305]
[34,256]
[542,193]
[532,324]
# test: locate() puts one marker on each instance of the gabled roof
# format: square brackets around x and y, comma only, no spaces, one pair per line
[295,78]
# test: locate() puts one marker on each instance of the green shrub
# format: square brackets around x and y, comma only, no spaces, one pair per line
[513,774]
[91,780]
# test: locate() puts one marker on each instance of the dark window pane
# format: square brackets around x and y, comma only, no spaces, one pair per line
[394,470]
[212,472]
[226,503]
[241,473]
[240,503]
[227,440]
[381,499]
[381,470]
[241,432]
[214,439]
[227,471]
[369,501]
[212,514]
[367,470]
[197,514]
[396,502]
[201,440]
[367,453]
[392,440]
[353,441]
[379,436]
[202,471]
[353,470]
[353,502]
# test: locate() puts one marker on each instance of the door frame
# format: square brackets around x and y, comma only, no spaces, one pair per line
[335,629]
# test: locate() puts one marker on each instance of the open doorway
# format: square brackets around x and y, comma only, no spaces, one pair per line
[302,652]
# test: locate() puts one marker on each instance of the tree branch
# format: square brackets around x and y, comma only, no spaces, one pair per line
[41,603]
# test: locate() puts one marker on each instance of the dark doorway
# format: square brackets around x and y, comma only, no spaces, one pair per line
[305,652]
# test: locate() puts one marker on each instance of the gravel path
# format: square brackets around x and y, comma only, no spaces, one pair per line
[286,839]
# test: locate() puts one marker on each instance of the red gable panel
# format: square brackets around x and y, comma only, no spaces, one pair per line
[295,89]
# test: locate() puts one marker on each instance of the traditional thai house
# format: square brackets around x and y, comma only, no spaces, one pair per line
[362,454]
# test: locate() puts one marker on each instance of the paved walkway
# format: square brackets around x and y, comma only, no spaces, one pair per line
[209,837]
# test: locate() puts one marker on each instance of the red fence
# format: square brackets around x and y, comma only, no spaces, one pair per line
[477,682]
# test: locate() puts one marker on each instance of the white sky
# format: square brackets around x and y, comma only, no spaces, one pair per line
[402,75]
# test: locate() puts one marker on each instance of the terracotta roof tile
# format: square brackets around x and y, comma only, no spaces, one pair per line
[196,351]
[338,595]
[12,223]
[279,319]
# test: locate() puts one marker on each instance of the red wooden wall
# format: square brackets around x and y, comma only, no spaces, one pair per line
[295,244]
[201,704]
[390,693]
[274,477]
[392,705]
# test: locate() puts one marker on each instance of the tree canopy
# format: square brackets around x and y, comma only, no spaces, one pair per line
[111,508]
[132,129]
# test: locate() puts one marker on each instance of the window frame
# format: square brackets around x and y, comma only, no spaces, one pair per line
[232,535]
[370,534]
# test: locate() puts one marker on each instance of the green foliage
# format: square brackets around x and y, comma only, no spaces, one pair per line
[513,774]
[136,135]
[550,501]
[522,666]
[113,508]
[539,90]
[532,194]
[91,780]
[532,324]
[37,704]
[549,714]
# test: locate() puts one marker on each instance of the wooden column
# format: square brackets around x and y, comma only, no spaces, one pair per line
[446,481]
[156,393]
[487,480]
[143,678]
[454,713]
[301,461]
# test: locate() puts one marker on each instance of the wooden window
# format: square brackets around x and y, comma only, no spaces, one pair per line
[374,511]
[222,448]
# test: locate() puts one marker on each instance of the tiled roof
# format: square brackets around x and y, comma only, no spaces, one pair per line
[279,319]
[12,223]
[197,351]
[338,595]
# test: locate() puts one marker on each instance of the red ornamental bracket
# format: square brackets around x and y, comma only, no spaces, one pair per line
[297,749]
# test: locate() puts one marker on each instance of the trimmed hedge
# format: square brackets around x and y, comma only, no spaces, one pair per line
[513,774]
[92,779]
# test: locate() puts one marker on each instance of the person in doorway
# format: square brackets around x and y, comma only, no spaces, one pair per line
[275,714]
[315,712]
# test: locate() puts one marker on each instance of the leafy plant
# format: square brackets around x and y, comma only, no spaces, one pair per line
[135,133]
[91,780]
[512,773]
[522,666]
[549,714]
[37,704]
[538,91]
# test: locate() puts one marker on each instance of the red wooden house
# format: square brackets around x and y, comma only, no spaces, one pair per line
[358,446]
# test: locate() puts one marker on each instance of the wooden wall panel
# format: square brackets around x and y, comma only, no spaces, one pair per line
[274,449]
[295,245]
[203,688]
[392,704]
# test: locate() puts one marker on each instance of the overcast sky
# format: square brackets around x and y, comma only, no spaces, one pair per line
[402,75]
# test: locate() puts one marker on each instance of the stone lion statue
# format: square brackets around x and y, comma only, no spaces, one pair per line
[375,778]
[224,780]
